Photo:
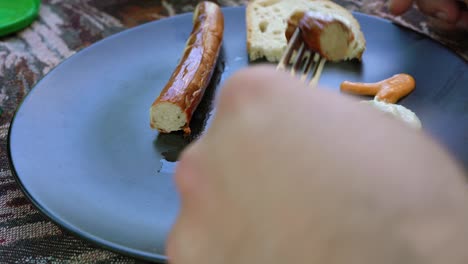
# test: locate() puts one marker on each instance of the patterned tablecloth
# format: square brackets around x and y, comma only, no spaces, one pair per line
[63,28]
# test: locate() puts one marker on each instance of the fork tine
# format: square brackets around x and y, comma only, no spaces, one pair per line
[298,59]
[307,65]
[289,50]
[311,67]
[315,57]
[304,62]
[317,72]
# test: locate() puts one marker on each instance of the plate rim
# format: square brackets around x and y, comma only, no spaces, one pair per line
[63,225]
[77,232]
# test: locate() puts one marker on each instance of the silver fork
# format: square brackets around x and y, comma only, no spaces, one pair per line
[302,60]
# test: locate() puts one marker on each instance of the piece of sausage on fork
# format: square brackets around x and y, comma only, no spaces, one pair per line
[174,107]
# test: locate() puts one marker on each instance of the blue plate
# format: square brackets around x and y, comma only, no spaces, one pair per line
[83,152]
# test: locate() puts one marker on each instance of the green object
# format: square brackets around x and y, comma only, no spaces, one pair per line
[17,14]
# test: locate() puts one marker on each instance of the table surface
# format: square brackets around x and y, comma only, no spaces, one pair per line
[63,28]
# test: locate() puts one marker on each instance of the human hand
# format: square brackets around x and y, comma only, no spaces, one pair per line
[445,14]
[286,174]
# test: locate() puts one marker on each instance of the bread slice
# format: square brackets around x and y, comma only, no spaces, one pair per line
[267,23]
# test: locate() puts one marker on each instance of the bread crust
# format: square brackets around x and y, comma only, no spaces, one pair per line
[259,43]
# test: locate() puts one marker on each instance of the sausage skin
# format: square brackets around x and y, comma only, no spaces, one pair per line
[174,107]
[322,34]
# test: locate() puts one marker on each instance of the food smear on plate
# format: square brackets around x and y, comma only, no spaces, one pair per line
[267,24]
[398,111]
[390,90]
[387,93]
[173,109]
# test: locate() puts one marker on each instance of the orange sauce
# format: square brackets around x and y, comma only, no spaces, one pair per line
[389,90]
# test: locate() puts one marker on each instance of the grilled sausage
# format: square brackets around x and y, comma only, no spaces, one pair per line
[174,107]
[322,34]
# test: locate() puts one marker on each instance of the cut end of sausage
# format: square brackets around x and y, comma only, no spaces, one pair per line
[334,41]
[167,117]
[324,34]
